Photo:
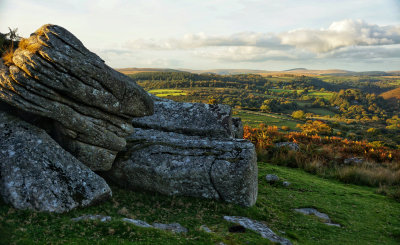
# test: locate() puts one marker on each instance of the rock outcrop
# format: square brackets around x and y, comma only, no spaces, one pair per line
[56,77]
[37,174]
[188,149]
[92,111]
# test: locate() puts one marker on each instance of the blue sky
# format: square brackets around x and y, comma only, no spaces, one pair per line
[207,34]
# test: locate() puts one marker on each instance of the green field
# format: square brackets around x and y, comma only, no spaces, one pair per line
[167,92]
[365,217]
[320,111]
[254,119]
[279,90]
[324,95]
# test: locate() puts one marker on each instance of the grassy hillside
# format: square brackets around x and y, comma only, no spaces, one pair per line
[366,218]
[394,93]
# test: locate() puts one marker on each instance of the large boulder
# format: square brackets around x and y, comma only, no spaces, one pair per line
[37,174]
[178,164]
[53,75]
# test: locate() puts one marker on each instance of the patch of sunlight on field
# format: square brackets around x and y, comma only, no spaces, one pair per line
[254,119]
[324,95]
[167,92]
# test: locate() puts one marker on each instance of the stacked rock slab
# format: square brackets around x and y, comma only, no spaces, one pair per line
[56,77]
[188,149]
[37,174]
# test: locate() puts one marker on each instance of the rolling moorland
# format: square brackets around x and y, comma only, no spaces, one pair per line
[331,117]
[345,129]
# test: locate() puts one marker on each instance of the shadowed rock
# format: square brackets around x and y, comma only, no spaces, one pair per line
[37,174]
[177,164]
[55,76]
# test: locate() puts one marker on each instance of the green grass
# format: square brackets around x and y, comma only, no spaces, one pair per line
[367,218]
[254,119]
[168,92]
[320,111]
[324,95]
[279,90]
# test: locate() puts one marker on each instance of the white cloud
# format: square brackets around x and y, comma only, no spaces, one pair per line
[346,33]
[342,34]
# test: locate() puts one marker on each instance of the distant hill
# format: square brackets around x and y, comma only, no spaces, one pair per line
[305,72]
[292,72]
[394,93]
[128,71]
[225,71]
[296,69]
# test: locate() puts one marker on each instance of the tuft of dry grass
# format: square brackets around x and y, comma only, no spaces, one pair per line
[8,56]
[367,175]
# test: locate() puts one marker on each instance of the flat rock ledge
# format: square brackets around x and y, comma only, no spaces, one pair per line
[54,76]
[258,227]
[195,119]
[37,174]
[177,164]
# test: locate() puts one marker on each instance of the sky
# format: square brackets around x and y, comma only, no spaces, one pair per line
[357,35]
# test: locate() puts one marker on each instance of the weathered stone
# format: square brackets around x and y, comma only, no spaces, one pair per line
[271,178]
[312,211]
[353,160]
[189,118]
[177,164]
[37,174]
[101,218]
[56,77]
[138,222]
[174,227]
[205,229]
[286,183]
[258,227]
[291,145]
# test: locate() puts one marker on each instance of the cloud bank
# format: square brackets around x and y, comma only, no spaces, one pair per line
[346,39]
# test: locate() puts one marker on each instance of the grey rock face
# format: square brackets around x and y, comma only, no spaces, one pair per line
[258,227]
[56,77]
[237,126]
[189,118]
[177,164]
[292,146]
[271,178]
[37,174]
[312,211]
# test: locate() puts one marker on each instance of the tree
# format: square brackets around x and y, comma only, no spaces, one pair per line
[298,114]
[315,128]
